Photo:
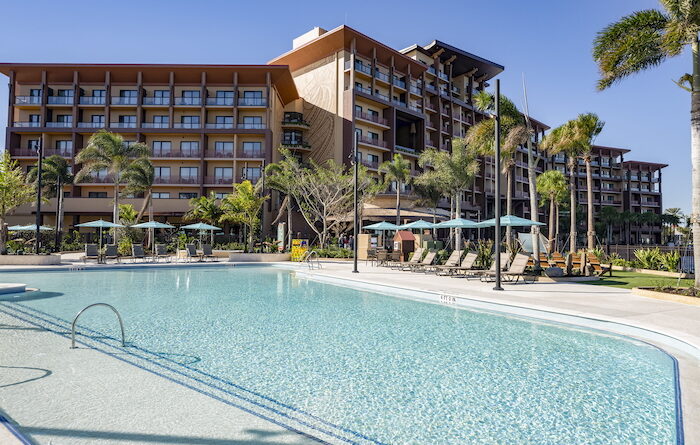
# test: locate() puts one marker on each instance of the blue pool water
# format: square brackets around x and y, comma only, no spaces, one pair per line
[375,368]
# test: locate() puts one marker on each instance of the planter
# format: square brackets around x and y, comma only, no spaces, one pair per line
[660,273]
[30,260]
[651,293]
[258,257]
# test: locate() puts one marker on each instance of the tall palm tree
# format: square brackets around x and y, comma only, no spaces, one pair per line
[552,186]
[55,174]
[643,40]
[430,190]
[205,209]
[139,178]
[108,152]
[398,170]
[609,216]
[575,139]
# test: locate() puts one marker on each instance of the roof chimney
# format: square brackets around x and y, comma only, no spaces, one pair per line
[307,37]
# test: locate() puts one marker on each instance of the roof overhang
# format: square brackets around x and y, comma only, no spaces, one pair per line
[614,149]
[463,61]
[341,38]
[280,76]
[645,164]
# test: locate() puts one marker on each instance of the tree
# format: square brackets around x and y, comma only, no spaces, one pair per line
[282,176]
[55,174]
[139,178]
[670,219]
[552,187]
[109,153]
[643,40]
[243,206]
[454,171]
[575,139]
[398,170]
[609,216]
[14,192]
[205,209]
[430,190]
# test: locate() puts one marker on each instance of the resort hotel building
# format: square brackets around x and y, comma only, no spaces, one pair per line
[209,126]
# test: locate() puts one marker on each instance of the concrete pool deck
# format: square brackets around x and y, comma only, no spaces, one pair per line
[47,389]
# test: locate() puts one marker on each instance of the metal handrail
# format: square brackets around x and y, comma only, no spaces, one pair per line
[308,259]
[75,320]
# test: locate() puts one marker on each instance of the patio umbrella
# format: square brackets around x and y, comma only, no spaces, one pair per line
[510,221]
[151,225]
[201,227]
[457,223]
[420,224]
[100,224]
[30,227]
[382,227]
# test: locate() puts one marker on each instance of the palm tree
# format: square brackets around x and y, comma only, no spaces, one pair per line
[397,170]
[575,139]
[643,40]
[283,176]
[552,187]
[243,206]
[609,216]
[139,178]
[430,190]
[108,152]
[205,209]
[55,174]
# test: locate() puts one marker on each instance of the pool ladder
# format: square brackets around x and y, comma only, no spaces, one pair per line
[308,259]
[75,320]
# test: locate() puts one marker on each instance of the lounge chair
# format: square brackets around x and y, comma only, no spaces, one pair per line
[485,274]
[463,269]
[517,270]
[91,253]
[415,259]
[558,261]
[111,253]
[598,268]
[161,252]
[423,265]
[137,252]
[207,252]
[452,261]
[191,252]
[382,257]
[393,259]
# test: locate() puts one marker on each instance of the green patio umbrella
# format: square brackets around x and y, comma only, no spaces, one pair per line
[100,224]
[151,225]
[201,227]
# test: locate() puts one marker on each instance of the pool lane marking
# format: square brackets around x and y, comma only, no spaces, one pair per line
[239,396]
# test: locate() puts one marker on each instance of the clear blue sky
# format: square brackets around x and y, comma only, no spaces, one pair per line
[548,40]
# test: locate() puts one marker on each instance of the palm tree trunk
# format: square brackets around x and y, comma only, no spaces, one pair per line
[572,199]
[152,233]
[115,210]
[589,193]
[290,233]
[458,231]
[509,200]
[695,155]
[534,209]
[398,203]
[144,206]
[556,228]
[59,200]
[552,215]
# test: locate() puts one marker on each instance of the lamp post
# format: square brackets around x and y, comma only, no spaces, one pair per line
[37,232]
[497,188]
[356,216]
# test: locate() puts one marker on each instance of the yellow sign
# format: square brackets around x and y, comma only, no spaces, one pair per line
[299,248]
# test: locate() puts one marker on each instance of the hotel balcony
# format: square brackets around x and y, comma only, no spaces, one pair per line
[252,102]
[59,125]
[415,90]
[122,124]
[177,180]
[376,119]
[190,125]
[155,125]
[220,101]
[373,165]
[399,83]
[28,100]
[92,100]
[91,125]
[118,100]
[60,100]
[361,67]
[156,101]
[405,150]
[251,126]
[294,120]
[188,101]
[170,154]
[296,144]
[372,141]
[27,124]
[220,126]
[32,153]
[218,180]
[251,155]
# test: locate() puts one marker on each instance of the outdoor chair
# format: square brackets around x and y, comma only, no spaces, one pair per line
[463,269]
[598,268]
[423,265]
[207,252]
[558,261]
[371,256]
[91,253]
[516,271]
[415,259]
[452,260]
[111,253]
[161,252]
[191,252]
[484,274]
[382,257]
[137,252]
[393,259]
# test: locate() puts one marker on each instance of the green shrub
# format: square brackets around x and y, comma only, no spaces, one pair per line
[670,261]
[72,241]
[648,258]
[484,252]
[124,246]
[442,256]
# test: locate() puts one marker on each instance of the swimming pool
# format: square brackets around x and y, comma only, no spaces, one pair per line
[350,366]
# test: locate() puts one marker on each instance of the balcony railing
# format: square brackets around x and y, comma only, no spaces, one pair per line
[118,100]
[381,96]
[176,179]
[252,102]
[399,83]
[187,125]
[295,121]
[156,101]
[92,100]
[442,76]
[372,141]
[108,179]
[220,125]
[91,124]
[29,152]
[415,108]
[176,154]
[219,154]
[295,143]
[405,149]
[193,101]
[370,164]
[251,154]
[60,100]
[220,101]
[381,76]
[359,66]
[155,125]
[122,124]
[415,90]
[251,126]
[59,124]
[218,180]
[371,117]
[363,90]
[27,124]
[28,100]
[400,103]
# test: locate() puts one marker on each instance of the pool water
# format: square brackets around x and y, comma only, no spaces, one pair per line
[376,368]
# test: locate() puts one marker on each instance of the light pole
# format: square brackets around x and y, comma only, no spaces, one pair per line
[37,232]
[356,216]
[497,189]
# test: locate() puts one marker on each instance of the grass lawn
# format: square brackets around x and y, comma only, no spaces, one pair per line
[628,280]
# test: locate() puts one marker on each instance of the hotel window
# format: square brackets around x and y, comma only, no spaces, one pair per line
[358,132]
[33,144]
[128,93]
[189,173]
[373,113]
[64,93]
[291,137]
[224,121]
[161,97]
[161,121]
[372,135]
[161,172]
[224,97]
[191,97]
[99,93]
[35,92]
[223,173]
[252,122]
[64,146]
[373,158]
[161,148]
[64,118]
[102,173]
[250,173]
[97,194]
[189,147]
[127,121]
[97,119]
[223,147]
[187,195]
[221,195]
[358,110]
[252,94]
[190,121]
[252,148]
[160,195]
